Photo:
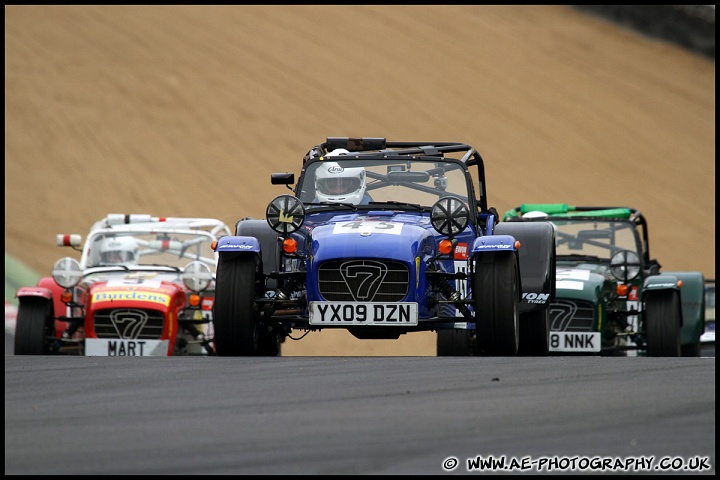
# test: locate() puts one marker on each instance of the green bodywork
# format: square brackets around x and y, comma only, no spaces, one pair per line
[588,237]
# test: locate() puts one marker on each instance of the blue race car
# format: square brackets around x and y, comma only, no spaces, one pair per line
[382,239]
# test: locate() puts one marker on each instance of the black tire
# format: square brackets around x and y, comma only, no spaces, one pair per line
[534,333]
[234,322]
[662,324]
[34,328]
[691,350]
[496,287]
[269,342]
[453,343]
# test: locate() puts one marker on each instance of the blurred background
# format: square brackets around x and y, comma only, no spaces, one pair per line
[187,110]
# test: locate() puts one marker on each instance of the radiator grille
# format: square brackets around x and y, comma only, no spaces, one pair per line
[129,323]
[571,316]
[363,281]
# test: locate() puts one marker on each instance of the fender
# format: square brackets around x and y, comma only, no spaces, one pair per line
[35,295]
[46,288]
[536,257]
[493,243]
[34,292]
[660,282]
[269,246]
[692,299]
[238,244]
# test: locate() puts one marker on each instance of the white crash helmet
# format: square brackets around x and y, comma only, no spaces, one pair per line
[334,183]
[119,251]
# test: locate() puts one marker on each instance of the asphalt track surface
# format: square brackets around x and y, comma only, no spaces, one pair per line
[353,415]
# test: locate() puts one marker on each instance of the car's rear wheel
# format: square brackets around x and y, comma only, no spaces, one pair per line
[34,328]
[234,319]
[662,324]
[691,350]
[453,343]
[534,333]
[496,291]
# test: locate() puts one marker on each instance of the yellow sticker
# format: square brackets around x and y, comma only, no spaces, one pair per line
[140,296]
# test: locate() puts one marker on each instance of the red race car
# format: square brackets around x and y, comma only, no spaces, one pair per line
[144,286]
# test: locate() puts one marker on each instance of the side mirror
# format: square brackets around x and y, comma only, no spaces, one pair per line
[286,178]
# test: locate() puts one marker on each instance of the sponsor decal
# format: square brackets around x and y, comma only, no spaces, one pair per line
[536,297]
[571,274]
[633,294]
[141,296]
[461,285]
[417,272]
[135,280]
[461,251]
[285,218]
[366,228]
[568,285]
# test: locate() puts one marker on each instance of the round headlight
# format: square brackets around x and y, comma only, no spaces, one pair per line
[66,272]
[625,265]
[285,214]
[197,276]
[449,216]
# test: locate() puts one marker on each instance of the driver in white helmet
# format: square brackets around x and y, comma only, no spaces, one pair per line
[119,251]
[334,183]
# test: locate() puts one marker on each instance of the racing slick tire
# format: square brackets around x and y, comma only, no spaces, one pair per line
[496,287]
[269,342]
[34,328]
[453,343]
[662,324]
[534,333]
[691,350]
[236,329]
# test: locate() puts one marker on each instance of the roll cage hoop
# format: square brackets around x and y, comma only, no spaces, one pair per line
[367,148]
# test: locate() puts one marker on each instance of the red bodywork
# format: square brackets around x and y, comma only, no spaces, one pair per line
[125,291]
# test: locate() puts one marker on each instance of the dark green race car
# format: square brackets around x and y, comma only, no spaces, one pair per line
[611,296]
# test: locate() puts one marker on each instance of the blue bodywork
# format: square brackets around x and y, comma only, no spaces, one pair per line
[426,245]
[380,235]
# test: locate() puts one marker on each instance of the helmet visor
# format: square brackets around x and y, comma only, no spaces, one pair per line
[116,256]
[338,186]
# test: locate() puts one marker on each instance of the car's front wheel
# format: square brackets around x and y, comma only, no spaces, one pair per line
[496,287]
[34,327]
[534,333]
[234,318]
[662,324]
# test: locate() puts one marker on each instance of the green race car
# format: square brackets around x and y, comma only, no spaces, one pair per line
[611,297]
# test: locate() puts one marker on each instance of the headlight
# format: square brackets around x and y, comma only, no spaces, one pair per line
[66,272]
[625,265]
[285,214]
[449,216]
[197,276]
